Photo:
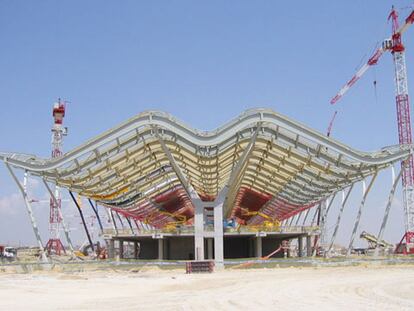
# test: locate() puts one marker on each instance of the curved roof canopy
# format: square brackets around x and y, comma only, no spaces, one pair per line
[147,167]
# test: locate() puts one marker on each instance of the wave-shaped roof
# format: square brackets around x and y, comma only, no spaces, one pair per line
[147,166]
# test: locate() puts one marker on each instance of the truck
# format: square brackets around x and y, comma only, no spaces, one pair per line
[7,253]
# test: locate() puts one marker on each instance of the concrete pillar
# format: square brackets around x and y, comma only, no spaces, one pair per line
[121,249]
[308,246]
[300,246]
[251,247]
[258,247]
[166,249]
[218,236]
[210,248]
[111,248]
[136,250]
[160,249]
[198,230]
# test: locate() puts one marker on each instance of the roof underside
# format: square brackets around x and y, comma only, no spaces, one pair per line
[146,167]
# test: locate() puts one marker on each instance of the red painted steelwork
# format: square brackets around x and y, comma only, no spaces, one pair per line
[250,200]
[158,211]
[175,201]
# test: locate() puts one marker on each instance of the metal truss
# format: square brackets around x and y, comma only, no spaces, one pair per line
[148,167]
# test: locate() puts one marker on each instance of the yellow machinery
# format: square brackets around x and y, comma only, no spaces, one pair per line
[268,225]
[170,226]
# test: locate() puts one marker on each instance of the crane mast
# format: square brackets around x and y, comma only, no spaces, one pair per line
[397,49]
[54,245]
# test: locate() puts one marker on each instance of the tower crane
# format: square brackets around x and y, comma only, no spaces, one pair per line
[54,245]
[396,47]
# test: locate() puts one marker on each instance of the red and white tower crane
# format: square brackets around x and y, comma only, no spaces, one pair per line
[395,46]
[54,245]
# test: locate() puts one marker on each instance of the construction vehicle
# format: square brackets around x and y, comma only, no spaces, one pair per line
[268,224]
[373,241]
[171,225]
[7,253]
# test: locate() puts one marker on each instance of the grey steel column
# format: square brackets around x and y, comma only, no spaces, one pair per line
[258,247]
[387,209]
[111,220]
[83,221]
[95,210]
[23,191]
[344,200]
[218,235]
[314,215]
[306,217]
[130,225]
[297,220]
[325,208]
[361,206]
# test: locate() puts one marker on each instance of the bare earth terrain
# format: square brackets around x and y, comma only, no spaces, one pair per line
[344,288]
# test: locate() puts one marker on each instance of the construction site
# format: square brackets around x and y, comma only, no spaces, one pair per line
[166,207]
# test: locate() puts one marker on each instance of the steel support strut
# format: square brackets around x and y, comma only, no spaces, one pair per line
[23,191]
[343,203]
[366,190]
[324,208]
[112,219]
[83,220]
[95,210]
[387,209]
[306,217]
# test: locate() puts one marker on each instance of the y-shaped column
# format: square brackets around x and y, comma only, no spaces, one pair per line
[200,234]
[198,229]
[218,229]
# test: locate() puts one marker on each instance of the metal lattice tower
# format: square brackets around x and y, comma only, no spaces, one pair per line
[404,126]
[54,245]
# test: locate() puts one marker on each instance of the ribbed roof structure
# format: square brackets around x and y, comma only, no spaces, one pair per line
[147,167]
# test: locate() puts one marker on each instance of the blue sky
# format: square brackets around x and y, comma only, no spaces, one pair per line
[204,62]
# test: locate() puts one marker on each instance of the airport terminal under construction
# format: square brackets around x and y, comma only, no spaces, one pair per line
[244,190]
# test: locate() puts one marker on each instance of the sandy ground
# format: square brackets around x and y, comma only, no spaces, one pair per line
[344,288]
